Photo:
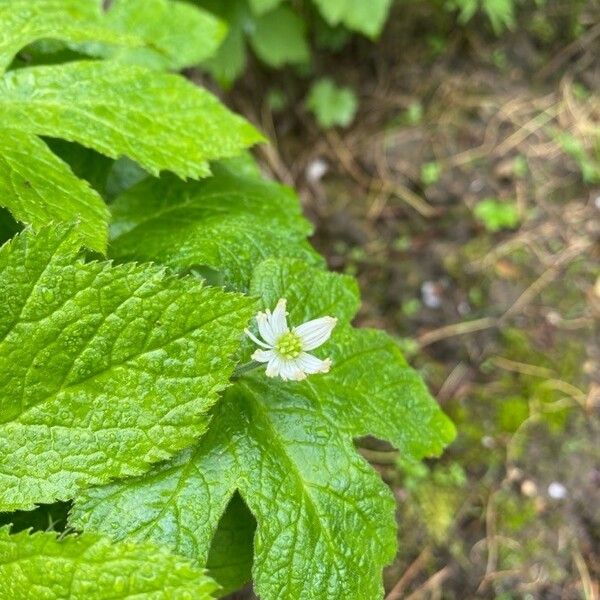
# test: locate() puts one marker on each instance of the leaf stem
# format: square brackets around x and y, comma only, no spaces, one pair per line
[244,368]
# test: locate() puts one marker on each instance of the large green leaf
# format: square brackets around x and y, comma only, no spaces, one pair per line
[325,519]
[358,15]
[159,120]
[228,222]
[38,187]
[177,34]
[103,370]
[25,21]
[43,567]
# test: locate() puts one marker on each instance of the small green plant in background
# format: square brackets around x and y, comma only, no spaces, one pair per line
[331,104]
[496,215]
[430,173]
[501,13]
[278,31]
[588,162]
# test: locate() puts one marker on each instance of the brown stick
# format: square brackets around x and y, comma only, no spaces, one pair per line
[413,570]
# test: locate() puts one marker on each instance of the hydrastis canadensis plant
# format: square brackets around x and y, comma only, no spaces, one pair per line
[139,454]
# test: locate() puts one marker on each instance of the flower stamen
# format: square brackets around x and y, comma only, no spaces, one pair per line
[289,345]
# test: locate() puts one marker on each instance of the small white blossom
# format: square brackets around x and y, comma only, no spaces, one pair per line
[286,351]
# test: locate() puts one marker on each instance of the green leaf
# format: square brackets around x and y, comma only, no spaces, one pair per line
[287,447]
[497,214]
[104,370]
[41,565]
[38,187]
[332,105]
[279,38]
[501,14]
[230,60]
[365,17]
[260,7]
[178,34]
[25,21]
[228,223]
[159,120]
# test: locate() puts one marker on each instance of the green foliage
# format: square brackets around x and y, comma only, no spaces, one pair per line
[158,120]
[501,13]
[126,384]
[106,106]
[279,38]
[497,214]
[128,337]
[259,218]
[176,34]
[365,17]
[229,62]
[431,173]
[278,31]
[262,6]
[314,493]
[332,105]
[588,164]
[24,22]
[44,566]
[38,188]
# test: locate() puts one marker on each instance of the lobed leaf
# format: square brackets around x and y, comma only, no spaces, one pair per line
[38,187]
[25,21]
[176,34]
[287,447]
[157,119]
[104,370]
[41,565]
[229,223]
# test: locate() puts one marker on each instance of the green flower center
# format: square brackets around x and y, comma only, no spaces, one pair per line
[289,345]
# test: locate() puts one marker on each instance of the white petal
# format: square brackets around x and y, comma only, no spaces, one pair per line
[274,366]
[263,356]
[311,364]
[290,370]
[316,332]
[263,321]
[278,319]
[255,339]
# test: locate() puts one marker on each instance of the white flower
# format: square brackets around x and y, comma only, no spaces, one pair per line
[285,351]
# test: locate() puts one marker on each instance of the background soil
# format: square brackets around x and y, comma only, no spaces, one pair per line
[503,324]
